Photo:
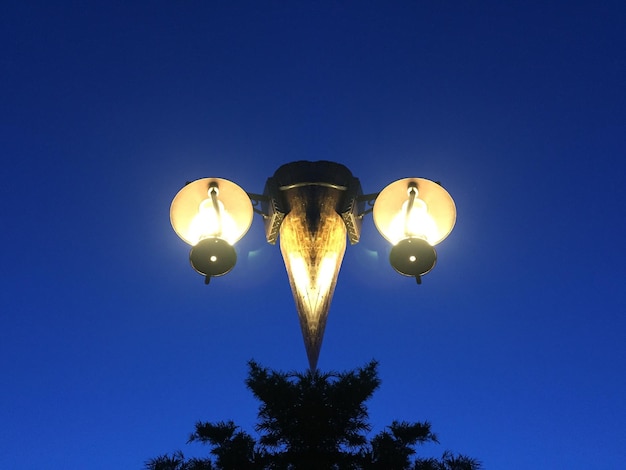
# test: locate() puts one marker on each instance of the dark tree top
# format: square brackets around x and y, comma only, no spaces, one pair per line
[313,421]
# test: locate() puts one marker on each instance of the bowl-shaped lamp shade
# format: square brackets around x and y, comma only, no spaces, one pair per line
[414,208]
[211,208]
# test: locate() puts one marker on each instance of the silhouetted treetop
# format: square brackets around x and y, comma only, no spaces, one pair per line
[313,411]
[313,421]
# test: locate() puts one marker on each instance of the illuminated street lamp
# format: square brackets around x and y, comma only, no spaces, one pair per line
[414,214]
[211,214]
[312,208]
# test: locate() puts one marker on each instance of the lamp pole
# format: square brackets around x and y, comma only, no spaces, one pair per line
[313,208]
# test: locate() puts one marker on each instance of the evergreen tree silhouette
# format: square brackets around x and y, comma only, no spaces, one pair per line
[313,421]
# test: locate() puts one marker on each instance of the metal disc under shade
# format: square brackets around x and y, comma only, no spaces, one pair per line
[213,257]
[413,257]
[186,203]
[439,203]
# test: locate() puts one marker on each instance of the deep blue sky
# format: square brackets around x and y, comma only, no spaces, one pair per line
[111,347]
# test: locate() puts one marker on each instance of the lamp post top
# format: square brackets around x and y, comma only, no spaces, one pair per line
[313,208]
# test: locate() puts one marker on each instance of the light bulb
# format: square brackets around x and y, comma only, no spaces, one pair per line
[211,208]
[212,220]
[413,220]
[414,208]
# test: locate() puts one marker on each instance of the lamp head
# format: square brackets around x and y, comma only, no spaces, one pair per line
[414,208]
[414,214]
[211,208]
[211,214]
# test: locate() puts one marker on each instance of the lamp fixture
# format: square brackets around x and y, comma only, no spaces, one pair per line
[211,214]
[414,214]
[312,208]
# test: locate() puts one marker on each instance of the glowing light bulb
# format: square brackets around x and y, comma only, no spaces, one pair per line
[212,220]
[414,208]
[211,209]
[413,220]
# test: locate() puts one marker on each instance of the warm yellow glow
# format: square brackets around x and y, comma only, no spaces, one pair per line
[313,285]
[414,208]
[413,220]
[211,207]
[313,252]
[212,220]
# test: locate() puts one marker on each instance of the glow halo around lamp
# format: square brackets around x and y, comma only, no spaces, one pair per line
[234,212]
[431,215]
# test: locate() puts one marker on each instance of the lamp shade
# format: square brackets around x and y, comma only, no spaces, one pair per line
[211,208]
[414,208]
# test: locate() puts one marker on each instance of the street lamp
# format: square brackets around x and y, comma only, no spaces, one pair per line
[211,214]
[312,208]
[414,214]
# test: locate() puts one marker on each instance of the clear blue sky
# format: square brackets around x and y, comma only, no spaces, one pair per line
[111,346]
